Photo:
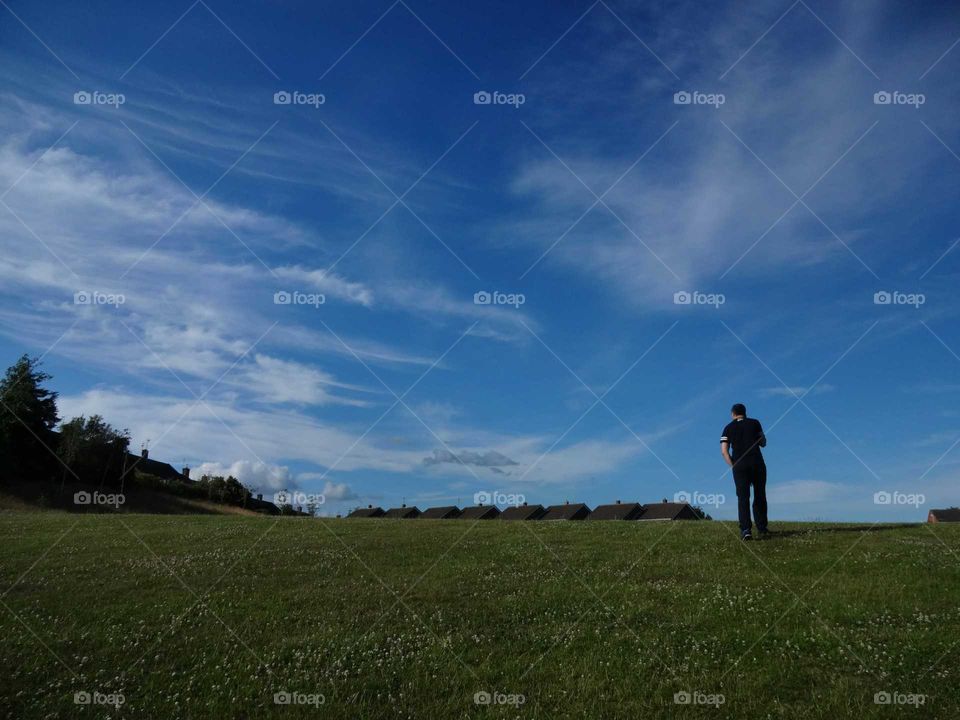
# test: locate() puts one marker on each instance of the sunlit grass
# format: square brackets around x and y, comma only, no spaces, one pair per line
[203,616]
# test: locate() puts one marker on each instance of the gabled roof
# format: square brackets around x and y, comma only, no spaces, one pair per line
[447,512]
[668,511]
[402,513]
[617,511]
[523,512]
[567,511]
[162,470]
[262,506]
[367,512]
[480,512]
[946,515]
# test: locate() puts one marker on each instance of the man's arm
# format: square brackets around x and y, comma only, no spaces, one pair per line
[763,437]
[725,451]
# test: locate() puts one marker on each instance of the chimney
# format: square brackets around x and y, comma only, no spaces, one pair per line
[144,453]
[403,504]
[524,503]
[259,496]
[370,506]
[618,502]
[186,472]
[566,502]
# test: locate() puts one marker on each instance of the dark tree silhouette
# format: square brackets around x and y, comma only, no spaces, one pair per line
[93,450]
[28,416]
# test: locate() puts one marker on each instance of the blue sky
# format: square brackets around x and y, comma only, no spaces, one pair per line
[786,190]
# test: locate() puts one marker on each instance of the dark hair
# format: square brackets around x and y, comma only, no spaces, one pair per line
[739,409]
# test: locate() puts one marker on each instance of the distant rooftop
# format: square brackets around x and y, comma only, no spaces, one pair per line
[617,511]
[402,513]
[944,515]
[447,512]
[368,512]
[567,511]
[480,512]
[668,511]
[523,512]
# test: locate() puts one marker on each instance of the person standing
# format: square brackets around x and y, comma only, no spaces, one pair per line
[740,446]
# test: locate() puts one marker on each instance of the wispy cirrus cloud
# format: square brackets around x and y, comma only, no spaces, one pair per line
[797,390]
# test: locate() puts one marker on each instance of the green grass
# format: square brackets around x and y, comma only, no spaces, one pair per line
[208,617]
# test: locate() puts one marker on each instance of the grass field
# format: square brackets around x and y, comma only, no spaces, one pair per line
[210,617]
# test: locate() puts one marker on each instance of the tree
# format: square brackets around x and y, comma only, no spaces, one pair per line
[235,493]
[224,490]
[28,416]
[93,450]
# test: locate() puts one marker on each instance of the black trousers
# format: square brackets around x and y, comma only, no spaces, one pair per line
[746,475]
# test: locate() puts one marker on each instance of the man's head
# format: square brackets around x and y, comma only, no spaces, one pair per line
[738,410]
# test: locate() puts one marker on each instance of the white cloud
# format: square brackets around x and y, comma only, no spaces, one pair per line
[328,283]
[279,382]
[338,492]
[219,431]
[700,199]
[796,390]
[255,475]
[806,492]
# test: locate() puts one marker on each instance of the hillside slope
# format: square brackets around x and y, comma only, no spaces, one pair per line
[33,497]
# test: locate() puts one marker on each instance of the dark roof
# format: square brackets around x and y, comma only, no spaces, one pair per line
[262,506]
[403,512]
[480,512]
[447,512]
[617,511]
[523,512]
[367,512]
[668,511]
[162,470]
[567,511]
[946,515]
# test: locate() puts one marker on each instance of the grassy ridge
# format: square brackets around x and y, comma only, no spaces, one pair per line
[208,617]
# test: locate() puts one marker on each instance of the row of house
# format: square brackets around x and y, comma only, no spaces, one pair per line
[567,511]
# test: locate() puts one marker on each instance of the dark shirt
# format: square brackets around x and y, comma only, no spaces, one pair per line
[745,436]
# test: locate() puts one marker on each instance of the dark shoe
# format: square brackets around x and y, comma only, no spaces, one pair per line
[765,533]
[745,535]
